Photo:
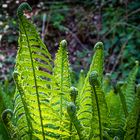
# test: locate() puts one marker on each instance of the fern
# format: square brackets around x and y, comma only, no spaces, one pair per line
[129,88]
[122,98]
[33,77]
[133,121]
[46,106]
[95,84]
[71,109]
[61,85]
[87,113]
[116,114]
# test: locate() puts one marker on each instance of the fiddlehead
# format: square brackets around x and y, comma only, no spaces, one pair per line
[11,129]
[63,43]
[6,116]
[93,79]
[94,82]
[23,6]
[71,109]
[73,94]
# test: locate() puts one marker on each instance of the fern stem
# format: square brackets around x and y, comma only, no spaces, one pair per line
[35,81]
[70,130]
[71,109]
[99,115]
[73,95]
[61,83]
[94,82]
[63,44]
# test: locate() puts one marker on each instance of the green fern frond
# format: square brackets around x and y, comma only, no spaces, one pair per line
[96,65]
[61,84]
[133,121]
[129,89]
[35,118]
[99,107]
[87,113]
[116,114]
[122,97]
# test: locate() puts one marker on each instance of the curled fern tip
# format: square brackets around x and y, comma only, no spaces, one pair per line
[98,45]
[6,113]
[93,78]
[23,6]
[63,43]
[73,93]
[71,108]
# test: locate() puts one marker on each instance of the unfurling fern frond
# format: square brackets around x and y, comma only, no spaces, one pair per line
[133,121]
[73,94]
[33,68]
[95,85]
[71,109]
[23,6]
[61,85]
[11,129]
[88,111]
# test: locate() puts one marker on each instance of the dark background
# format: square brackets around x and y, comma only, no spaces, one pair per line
[82,23]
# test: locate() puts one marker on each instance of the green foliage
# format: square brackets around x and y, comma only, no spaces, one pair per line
[87,105]
[129,87]
[133,121]
[6,95]
[47,107]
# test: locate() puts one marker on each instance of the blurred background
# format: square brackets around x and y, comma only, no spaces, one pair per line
[82,23]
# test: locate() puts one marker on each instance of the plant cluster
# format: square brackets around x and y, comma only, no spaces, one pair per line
[48,106]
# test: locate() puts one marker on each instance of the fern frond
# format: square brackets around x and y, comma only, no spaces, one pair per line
[129,89]
[95,85]
[71,109]
[96,65]
[133,121]
[87,113]
[116,114]
[122,98]
[35,117]
[61,85]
